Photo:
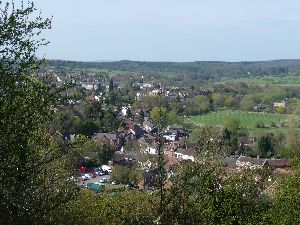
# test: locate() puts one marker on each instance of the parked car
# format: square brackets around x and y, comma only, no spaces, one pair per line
[115,182]
[106,168]
[103,180]
[87,176]
[97,187]
[93,175]
[84,186]
[72,178]
[102,173]
[83,178]
[97,169]
[82,169]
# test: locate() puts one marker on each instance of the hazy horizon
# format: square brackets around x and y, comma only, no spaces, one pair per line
[147,61]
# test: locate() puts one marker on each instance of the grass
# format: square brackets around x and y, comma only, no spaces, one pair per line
[247,120]
[94,70]
[279,80]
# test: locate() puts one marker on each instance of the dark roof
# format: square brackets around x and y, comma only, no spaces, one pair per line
[230,162]
[253,161]
[175,127]
[247,140]
[128,121]
[180,150]
[151,173]
[189,151]
[186,161]
[136,128]
[118,156]
[104,136]
[148,136]
[90,98]
[279,163]
[121,129]
[169,132]
[149,124]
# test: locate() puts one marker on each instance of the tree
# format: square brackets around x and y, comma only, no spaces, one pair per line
[218,99]
[232,124]
[294,107]
[112,98]
[88,153]
[159,114]
[29,153]
[121,207]
[259,124]
[203,103]
[229,101]
[111,95]
[247,103]
[210,143]
[20,28]
[292,139]
[87,128]
[110,121]
[148,102]
[126,175]
[173,118]
[111,85]
[93,110]
[204,194]
[135,147]
[287,201]
[280,109]
[105,153]
[265,146]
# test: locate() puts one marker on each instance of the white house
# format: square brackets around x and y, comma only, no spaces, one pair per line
[169,136]
[279,104]
[148,126]
[124,111]
[151,150]
[145,85]
[155,92]
[88,86]
[97,98]
[138,96]
[187,154]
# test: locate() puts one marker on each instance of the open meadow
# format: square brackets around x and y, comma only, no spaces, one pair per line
[263,80]
[248,120]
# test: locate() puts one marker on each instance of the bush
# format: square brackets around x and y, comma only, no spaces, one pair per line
[259,124]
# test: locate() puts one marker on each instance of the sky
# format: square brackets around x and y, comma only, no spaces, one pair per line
[172,30]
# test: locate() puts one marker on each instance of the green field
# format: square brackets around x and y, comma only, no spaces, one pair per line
[247,120]
[279,80]
[76,71]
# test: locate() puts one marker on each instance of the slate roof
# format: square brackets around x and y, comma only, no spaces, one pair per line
[189,151]
[175,127]
[230,162]
[279,163]
[247,140]
[105,136]
[151,173]
[253,161]
[149,124]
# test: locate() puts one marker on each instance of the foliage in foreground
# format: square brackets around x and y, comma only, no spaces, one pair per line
[33,174]
[200,194]
[130,207]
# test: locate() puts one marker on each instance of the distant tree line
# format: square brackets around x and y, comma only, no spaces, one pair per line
[194,69]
